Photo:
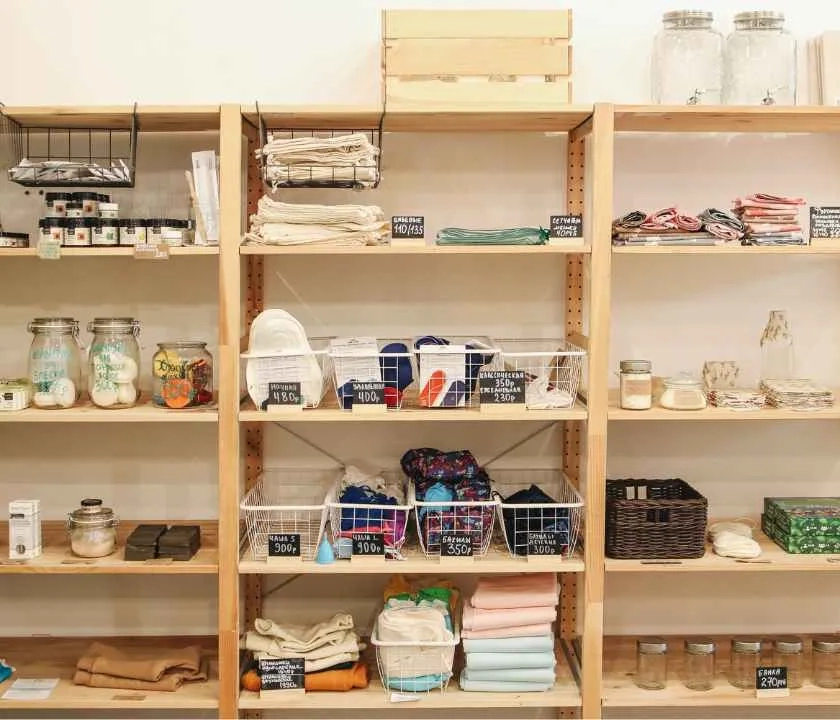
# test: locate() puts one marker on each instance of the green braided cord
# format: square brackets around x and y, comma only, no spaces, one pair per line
[507,236]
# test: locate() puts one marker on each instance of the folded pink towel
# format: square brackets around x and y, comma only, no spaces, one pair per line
[477,619]
[510,632]
[516,591]
[664,219]
[689,223]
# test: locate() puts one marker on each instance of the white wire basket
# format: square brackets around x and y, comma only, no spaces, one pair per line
[448,374]
[552,370]
[390,520]
[436,519]
[309,368]
[391,362]
[288,501]
[521,522]
[415,668]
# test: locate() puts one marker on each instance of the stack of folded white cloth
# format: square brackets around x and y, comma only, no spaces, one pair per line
[508,638]
[323,645]
[344,159]
[278,223]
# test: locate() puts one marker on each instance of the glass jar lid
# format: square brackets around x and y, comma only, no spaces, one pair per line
[746,645]
[684,381]
[788,645]
[652,645]
[634,366]
[700,646]
[176,344]
[688,19]
[91,512]
[827,643]
[114,325]
[55,324]
[759,20]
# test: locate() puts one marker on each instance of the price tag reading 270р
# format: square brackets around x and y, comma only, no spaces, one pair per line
[408,227]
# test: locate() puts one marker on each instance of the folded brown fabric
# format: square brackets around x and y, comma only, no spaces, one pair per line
[140,669]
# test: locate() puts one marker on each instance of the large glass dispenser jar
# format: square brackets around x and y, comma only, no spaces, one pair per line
[55,364]
[777,347]
[687,60]
[759,61]
[183,375]
[114,362]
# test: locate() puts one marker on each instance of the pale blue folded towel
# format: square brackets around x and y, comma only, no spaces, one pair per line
[535,643]
[530,675]
[514,687]
[502,661]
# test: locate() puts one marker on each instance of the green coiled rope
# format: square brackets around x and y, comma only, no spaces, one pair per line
[505,236]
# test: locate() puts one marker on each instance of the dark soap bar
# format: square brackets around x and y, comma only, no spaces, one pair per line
[142,543]
[180,542]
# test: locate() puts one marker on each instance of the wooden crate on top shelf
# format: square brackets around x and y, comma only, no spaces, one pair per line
[439,60]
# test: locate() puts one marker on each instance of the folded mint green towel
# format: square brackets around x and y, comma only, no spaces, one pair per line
[535,643]
[505,236]
[501,661]
[529,675]
[513,687]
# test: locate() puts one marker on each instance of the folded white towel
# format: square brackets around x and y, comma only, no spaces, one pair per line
[265,643]
[302,638]
[413,624]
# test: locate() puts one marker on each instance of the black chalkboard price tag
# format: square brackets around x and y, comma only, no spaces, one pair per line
[541,544]
[368,544]
[408,227]
[825,222]
[565,227]
[283,395]
[456,545]
[283,545]
[369,396]
[500,388]
[771,681]
[277,674]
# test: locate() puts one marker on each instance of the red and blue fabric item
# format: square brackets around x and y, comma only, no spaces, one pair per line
[377,518]
[395,370]
[453,391]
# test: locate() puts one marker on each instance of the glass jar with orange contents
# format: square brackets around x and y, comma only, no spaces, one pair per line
[183,375]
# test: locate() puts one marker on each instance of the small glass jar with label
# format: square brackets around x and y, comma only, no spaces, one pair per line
[788,653]
[78,232]
[106,232]
[132,231]
[55,363]
[92,529]
[635,385]
[699,664]
[51,229]
[651,663]
[183,375]
[826,659]
[114,362]
[57,204]
[683,392]
[744,659]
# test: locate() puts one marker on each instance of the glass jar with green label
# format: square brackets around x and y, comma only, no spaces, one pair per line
[114,362]
[55,364]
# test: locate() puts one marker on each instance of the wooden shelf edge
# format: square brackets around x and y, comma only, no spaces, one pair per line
[739,250]
[123,252]
[431,250]
[88,413]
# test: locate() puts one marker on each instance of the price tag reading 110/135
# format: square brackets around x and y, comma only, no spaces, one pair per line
[408,227]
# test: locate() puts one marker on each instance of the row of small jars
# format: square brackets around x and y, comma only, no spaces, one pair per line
[693,65]
[111,232]
[681,392]
[698,670]
[182,371]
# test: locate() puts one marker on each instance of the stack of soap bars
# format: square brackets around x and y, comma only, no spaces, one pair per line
[179,542]
[803,525]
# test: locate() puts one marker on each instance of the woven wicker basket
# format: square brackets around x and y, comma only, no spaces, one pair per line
[654,519]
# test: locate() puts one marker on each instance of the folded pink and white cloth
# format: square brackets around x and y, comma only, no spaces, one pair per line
[509,632]
[478,619]
[516,591]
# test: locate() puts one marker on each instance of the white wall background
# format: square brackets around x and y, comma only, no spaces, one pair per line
[677,311]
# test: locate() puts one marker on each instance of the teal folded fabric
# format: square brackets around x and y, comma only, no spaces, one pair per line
[514,687]
[505,236]
[535,643]
[530,675]
[421,683]
[502,661]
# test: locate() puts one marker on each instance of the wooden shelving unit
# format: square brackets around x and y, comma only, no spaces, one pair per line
[123,252]
[601,676]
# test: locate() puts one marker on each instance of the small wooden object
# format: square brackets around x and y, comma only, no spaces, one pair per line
[476,59]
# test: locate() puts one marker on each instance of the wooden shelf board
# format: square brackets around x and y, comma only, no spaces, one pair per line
[497,560]
[565,693]
[620,690]
[397,249]
[57,559]
[315,117]
[736,119]
[717,414]
[820,249]
[328,411]
[86,412]
[51,657]
[772,559]
[150,118]
[185,251]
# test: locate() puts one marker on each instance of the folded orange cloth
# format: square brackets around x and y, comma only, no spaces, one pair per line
[139,669]
[338,680]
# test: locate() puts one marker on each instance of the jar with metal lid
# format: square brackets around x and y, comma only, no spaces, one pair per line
[14,240]
[57,203]
[183,374]
[73,208]
[132,231]
[787,652]
[683,392]
[699,663]
[114,362]
[759,61]
[826,659]
[90,203]
[78,232]
[687,60]
[92,529]
[51,229]
[651,663]
[745,658]
[106,232]
[55,362]
[635,384]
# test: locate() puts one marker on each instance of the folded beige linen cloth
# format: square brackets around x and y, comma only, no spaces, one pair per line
[165,669]
[303,638]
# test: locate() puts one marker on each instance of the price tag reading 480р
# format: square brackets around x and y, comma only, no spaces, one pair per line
[283,394]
